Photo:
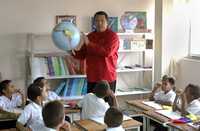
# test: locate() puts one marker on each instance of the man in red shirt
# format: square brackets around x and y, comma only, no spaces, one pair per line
[100,49]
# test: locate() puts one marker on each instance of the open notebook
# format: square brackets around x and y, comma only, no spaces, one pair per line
[101,119]
[153,104]
[170,114]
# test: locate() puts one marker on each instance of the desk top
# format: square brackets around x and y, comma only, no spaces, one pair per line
[139,104]
[91,125]
[163,119]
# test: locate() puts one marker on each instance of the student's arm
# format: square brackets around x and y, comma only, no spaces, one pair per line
[7,114]
[21,127]
[183,105]
[64,127]
[156,87]
[115,102]
[175,104]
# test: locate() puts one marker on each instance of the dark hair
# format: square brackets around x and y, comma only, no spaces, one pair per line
[171,80]
[194,90]
[3,85]
[38,81]
[53,114]
[101,88]
[101,13]
[164,78]
[113,117]
[34,90]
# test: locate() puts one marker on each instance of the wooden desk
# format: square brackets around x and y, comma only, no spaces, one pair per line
[90,125]
[171,126]
[139,107]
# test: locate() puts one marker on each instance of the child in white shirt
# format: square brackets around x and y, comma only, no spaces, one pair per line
[51,94]
[190,103]
[10,98]
[93,104]
[53,117]
[113,119]
[31,117]
[166,96]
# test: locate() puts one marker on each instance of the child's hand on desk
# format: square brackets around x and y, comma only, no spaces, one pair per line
[64,127]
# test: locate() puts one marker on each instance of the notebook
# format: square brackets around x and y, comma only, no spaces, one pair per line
[169,114]
[153,104]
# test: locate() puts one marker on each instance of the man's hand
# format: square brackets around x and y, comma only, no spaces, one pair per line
[65,127]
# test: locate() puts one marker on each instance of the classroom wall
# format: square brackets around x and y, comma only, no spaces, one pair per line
[175,37]
[19,17]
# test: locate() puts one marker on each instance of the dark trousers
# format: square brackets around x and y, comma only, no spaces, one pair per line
[91,85]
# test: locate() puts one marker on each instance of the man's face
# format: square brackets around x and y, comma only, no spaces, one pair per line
[101,23]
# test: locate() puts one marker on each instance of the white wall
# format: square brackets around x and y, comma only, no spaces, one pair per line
[175,35]
[19,17]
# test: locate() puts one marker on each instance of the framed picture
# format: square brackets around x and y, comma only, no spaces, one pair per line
[68,18]
[136,20]
[112,24]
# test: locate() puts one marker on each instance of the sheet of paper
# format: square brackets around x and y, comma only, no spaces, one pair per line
[169,114]
[153,104]
[101,119]
[194,126]
[66,105]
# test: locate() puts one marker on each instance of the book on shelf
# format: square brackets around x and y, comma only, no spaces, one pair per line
[72,87]
[57,66]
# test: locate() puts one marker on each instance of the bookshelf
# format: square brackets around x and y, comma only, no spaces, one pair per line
[134,70]
[135,63]
[65,74]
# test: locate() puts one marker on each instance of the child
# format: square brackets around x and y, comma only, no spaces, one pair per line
[93,104]
[10,98]
[113,119]
[166,96]
[51,95]
[53,117]
[190,103]
[31,117]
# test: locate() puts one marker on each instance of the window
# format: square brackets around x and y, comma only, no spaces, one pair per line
[194,16]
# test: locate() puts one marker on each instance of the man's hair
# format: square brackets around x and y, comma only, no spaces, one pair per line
[53,114]
[194,90]
[34,90]
[113,117]
[3,85]
[101,13]
[164,78]
[101,88]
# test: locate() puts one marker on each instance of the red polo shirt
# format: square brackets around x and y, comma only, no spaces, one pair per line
[101,56]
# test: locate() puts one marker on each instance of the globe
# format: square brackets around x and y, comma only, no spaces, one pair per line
[128,21]
[66,36]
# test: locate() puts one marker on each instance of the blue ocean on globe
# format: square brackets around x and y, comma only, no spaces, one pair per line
[66,36]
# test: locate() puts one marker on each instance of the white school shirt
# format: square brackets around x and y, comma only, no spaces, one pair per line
[168,97]
[119,128]
[46,129]
[9,104]
[53,96]
[194,107]
[32,116]
[92,106]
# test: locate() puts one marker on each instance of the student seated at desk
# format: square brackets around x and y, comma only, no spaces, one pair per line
[10,98]
[31,117]
[93,104]
[53,116]
[166,96]
[190,103]
[50,94]
[113,119]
